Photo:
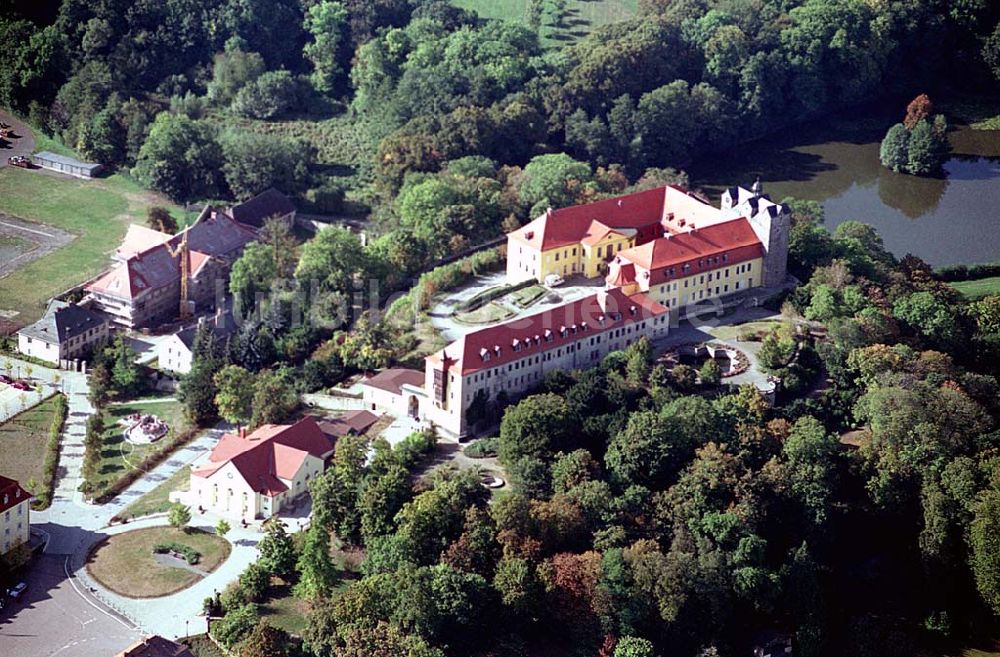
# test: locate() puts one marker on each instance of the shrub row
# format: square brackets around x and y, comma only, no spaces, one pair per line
[52,449]
[953,273]
[190,555]
[446,277]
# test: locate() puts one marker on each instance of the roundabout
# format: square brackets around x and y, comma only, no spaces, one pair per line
[144,563]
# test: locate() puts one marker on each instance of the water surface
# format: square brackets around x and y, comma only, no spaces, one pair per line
[945,220]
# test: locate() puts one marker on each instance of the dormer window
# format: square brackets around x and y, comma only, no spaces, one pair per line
[583,326]
[516,344]
[548,335]
[615,317]
[562,331]
[631,310]
[484,353]
[538,340]
[725,257]
[497,350]
[600,320]
[687,267]
[645,274]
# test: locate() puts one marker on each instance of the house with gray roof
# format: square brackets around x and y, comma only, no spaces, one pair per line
[176,353]
[65,331]
[269,204]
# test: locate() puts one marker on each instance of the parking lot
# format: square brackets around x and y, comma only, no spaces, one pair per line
[53,618]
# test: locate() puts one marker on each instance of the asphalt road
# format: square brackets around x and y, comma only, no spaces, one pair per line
[54,618]
[21,144]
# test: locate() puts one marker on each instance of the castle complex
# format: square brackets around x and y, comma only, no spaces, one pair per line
[659,251]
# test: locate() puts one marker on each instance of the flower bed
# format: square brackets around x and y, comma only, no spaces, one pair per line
[178,550]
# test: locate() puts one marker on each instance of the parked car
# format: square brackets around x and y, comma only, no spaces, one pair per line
[6,379]
[16,591]
[19,161]
[21,385]
[554,280]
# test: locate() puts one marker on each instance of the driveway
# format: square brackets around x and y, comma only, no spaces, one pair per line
[23,141]
[56,617]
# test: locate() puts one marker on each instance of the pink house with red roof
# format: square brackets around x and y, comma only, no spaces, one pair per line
[256,475]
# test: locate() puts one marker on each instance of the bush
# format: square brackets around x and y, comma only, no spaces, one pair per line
[272,94]
[190,555]
[415,447]
[43,497]
[954,273]
[483,448]
[480,299]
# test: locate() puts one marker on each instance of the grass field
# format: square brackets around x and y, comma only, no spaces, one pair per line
[22,443]
[118,456]
[98,212]
[125,564]
[157,500]
[978,288]
[582,16]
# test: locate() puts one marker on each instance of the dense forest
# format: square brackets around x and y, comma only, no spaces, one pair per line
[656,513]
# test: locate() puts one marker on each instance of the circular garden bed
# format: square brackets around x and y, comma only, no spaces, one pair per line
[129,565]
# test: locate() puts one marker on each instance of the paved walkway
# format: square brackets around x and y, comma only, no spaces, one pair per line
[72,525]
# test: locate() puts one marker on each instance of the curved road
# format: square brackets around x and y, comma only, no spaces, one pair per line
[65,613]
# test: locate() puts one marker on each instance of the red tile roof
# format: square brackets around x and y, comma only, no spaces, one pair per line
[392,380]
[214,234]
[735,239]
[541,332]
[11,494]
[643,211]
[269,454]
[139,239]
[350,422]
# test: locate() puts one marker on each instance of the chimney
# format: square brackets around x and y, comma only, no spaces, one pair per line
[243,433]
[548,212]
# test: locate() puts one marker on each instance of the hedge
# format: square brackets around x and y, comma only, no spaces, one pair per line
[52,449]
[480,299]
[953,273]
[191,555]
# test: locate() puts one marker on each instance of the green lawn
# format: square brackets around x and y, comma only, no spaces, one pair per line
[22,443]
[527,296]
[582,15]
[157,500]
[98,212]
[119,457]
[125,564]
[978,288]
[488,314]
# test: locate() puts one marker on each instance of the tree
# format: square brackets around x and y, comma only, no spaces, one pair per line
[126,374]
[236,625]
[273,399]
[254,582]
[326,22]
[180,158]
[710,373]
[179,515]
[197,392]
[317,574]
[235,395]
[648,451]
[919,109]
[633,646]
[685,377]
[269,96]
[984,539]
[894,153]
[537,426]
[384,640]
[265,641]
[252,163]
[222,527]
[277,553]
[231,71]
[930,317]
[639,361]
[991,52]
[160,219]
[928,149]
[555,181]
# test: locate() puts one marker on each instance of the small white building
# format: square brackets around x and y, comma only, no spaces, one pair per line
[396,391]
[254,476]
[64,332]
[67,165]
[176,353]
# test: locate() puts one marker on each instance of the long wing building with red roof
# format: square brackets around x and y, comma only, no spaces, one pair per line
[659,251]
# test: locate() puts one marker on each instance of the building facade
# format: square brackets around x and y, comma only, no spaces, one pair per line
[586,239]
[15,515]
[660,251]
[65,332]
[502,362]
[143,288]
[256,475]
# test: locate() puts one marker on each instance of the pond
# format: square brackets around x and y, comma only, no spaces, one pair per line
[944,220]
